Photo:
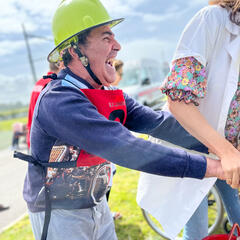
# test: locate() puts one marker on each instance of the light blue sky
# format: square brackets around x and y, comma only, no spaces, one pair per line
[151,30]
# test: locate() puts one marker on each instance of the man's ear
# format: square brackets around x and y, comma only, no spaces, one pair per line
[76,53]
[72,52]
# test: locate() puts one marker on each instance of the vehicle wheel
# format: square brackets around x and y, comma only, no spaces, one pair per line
[215,210]
[226,225]
[215,215]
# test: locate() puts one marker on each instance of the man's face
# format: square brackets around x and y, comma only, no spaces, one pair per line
[101,49]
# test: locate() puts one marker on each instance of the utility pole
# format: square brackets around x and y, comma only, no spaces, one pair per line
[29,54]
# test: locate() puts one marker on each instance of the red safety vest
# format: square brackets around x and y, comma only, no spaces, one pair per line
[111,104]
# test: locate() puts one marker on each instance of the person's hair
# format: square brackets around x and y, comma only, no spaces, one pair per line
[82,40]
[213,2]
[234,7]
[53,67]
[118,64]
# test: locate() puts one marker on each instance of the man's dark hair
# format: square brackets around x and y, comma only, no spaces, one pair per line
[82,40]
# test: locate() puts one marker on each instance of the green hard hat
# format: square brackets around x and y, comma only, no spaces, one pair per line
[72,17]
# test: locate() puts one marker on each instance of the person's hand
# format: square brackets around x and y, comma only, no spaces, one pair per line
[214,169]
[228,167]
[230,161]
[228,176]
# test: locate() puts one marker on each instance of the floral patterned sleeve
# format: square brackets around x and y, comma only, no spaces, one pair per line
[186,81]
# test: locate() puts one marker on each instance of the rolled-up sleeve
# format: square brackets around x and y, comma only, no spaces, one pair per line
[186,81]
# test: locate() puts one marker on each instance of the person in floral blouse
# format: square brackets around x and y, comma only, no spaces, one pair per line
[203,90]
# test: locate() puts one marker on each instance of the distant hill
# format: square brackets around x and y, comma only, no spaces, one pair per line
[12,106]
[13,110]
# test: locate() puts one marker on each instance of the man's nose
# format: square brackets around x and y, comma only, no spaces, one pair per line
[116,46]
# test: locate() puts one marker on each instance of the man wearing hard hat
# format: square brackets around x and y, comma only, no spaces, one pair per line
[81,124]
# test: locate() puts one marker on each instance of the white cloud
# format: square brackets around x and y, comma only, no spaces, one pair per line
[196,3]
[10,47]
[11,18]
[33,12]
[122,8]
[13,25]
[29,12]
[8,7]
[150,18]
[174,11]
[37,14]
[43,8]
[12,79]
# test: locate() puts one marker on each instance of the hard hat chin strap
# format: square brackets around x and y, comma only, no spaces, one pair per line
[85,63]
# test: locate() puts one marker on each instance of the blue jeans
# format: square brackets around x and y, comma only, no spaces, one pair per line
[197,226]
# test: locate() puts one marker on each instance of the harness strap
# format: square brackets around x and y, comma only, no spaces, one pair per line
[93,76]
[30,159]
[69,164]
[24,157]
[48,209]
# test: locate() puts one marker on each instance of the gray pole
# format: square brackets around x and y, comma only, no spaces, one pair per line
[29,54]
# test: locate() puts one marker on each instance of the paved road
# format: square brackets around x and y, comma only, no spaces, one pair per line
[12,173]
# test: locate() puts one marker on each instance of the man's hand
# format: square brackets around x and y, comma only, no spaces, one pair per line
[214,169]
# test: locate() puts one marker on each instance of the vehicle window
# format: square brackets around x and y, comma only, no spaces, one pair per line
[155,75]
[130,78]
[144,74]
[133,76]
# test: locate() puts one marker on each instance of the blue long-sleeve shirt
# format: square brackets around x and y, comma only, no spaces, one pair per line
[64,113]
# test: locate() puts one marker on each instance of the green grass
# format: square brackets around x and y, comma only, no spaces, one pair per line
[6,131]
[20,231]
[131,226]
[6,125]
[123,199]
